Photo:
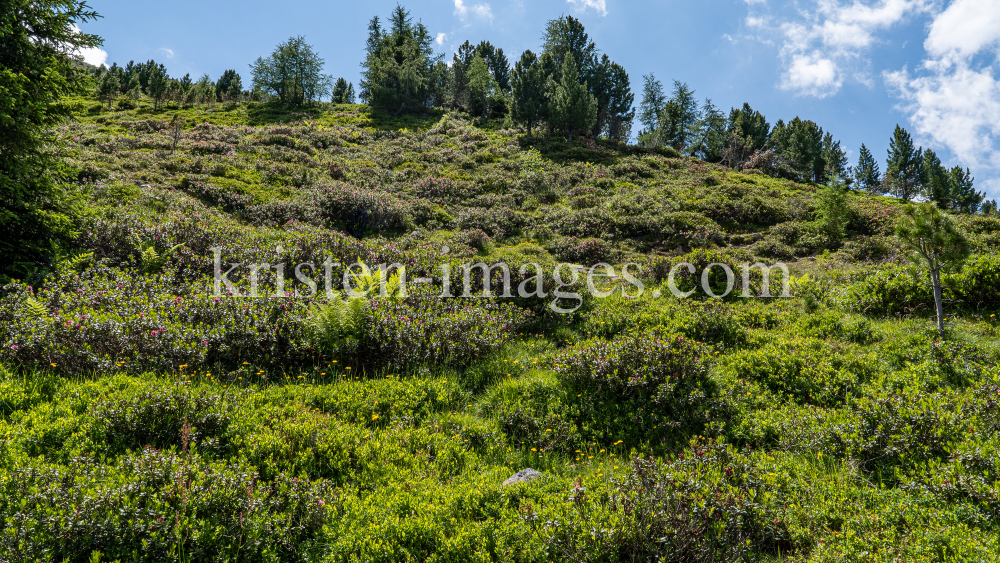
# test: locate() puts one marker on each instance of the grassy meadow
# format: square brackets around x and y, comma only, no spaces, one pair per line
[147,418]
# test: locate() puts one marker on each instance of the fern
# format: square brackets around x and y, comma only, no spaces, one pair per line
[151,261]
[77,262]
[335,325]
[34,309]
[367,281]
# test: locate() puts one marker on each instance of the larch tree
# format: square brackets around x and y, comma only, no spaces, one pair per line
[679,118]
[710,134]
[654,100]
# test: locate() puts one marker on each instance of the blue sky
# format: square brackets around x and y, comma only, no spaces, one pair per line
[857,68]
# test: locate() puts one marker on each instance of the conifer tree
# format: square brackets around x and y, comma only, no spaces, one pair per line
[833,211]
[108,87]
[157,86]
[679,118]
[932,238]
[37,68]
[835,160]
[399,65]
[224,86]
[343,92]
[710,134]
[573,108]
[619,110]
[748,124]
[904,166]
[800,142]
[654,100]
[565,37]
[866,174]
[964,197]
[528,91]
[936,182]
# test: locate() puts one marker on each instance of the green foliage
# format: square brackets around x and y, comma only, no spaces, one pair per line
[746,123]
[398,64]
[37,72]
[904,167]
[528,91]
[292,73]
[572,107]
[800,142]
[866,173]
[833,210]
[932,238]
[335,326]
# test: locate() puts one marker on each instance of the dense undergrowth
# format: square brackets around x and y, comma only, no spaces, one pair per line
[146,418]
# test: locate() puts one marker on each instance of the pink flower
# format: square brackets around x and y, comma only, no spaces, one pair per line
[13,346]
[154,333]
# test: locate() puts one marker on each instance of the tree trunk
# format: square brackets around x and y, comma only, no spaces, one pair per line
[936,283]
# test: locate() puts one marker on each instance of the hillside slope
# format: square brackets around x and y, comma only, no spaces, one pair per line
[148,416]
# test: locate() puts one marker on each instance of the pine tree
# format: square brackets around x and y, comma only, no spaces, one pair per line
[292,72]
[37,69]
[157,86]
[400,65]
[528,91]
[375,34]
[964,197]
[904,166]
[831,205]
[343,92]
[619,109]
[835,160]
[866,173]
[566,36]
[933,238]
[224,87]
[573,107]
[108,87]
[800,142]
[746,123]
[936,183]
[654,100]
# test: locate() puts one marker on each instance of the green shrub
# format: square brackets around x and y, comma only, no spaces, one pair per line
[638,388]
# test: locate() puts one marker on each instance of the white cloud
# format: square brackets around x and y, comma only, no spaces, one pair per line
[599,6]
[94,56]
[478,10]
[169,53]
[440,38]
[965,28]
[953,99]
[812,75]
[825,40]
[727,37]
[91,55]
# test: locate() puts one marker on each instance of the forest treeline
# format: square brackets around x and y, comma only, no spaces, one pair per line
[569,88]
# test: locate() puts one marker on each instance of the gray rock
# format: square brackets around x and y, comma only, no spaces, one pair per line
[523,476]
